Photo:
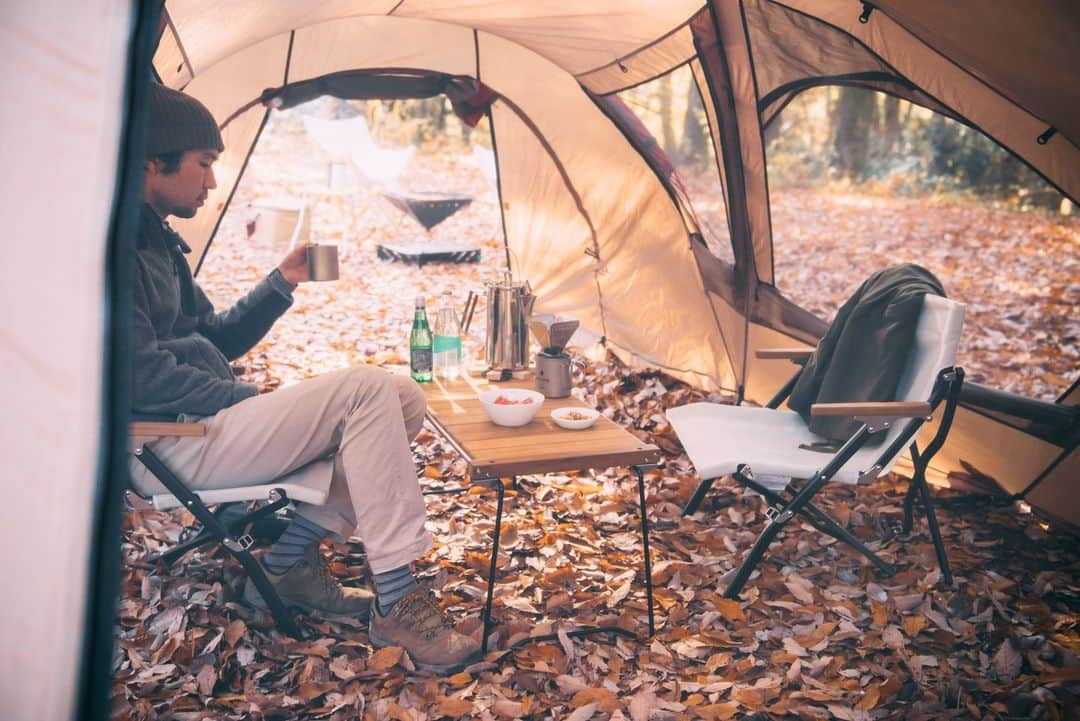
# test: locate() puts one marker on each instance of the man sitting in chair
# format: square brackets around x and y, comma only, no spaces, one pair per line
[364,417]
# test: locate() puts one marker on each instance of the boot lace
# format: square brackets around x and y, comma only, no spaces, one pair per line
[330,584]
[422,612]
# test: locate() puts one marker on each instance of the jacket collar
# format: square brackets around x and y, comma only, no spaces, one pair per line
[154,231]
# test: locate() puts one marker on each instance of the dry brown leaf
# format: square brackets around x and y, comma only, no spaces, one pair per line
[507,709]
[730,608]
[205,680]
[642,704]
[235,631]
[453,707]
[1007,661]
[584,713]
[385,658]
[601,698]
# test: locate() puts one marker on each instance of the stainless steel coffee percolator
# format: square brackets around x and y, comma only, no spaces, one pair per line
[509,304]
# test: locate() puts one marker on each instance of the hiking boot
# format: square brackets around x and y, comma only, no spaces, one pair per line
[417,624]
[310,585]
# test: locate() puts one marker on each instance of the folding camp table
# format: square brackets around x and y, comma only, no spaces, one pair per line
[493,452]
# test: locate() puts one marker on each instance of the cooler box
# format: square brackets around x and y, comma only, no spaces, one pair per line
[279,221]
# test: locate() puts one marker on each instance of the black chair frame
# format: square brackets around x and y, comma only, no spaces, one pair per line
[214,531]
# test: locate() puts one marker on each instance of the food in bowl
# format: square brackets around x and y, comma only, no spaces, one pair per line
[574,418]
[510,406]
[502,400]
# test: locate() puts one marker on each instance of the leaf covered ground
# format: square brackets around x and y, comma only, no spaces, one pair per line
[815,635]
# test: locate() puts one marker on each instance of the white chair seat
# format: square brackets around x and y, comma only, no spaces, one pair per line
[719,438]
[310,484]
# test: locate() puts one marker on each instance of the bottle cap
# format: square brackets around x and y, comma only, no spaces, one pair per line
[419,301]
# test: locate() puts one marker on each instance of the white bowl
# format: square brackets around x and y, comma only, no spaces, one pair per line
[569,417]
[518,407]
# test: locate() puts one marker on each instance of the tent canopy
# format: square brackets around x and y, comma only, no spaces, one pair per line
[591,214]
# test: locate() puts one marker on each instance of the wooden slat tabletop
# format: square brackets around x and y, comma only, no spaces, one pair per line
[538,447]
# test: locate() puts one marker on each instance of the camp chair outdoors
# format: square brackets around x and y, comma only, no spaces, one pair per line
[349,139]
[756,445]
[277,494]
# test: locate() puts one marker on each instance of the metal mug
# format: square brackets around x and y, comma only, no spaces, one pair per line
[322,261]
[553,377]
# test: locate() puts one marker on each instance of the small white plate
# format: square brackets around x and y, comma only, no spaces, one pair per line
[570,417]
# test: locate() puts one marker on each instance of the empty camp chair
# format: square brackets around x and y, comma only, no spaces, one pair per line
[277,493]
[349,139]
[755,443]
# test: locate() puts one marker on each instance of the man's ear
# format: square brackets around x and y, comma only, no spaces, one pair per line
[153,166]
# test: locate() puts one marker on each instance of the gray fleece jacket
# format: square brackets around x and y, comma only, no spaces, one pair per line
[182,347]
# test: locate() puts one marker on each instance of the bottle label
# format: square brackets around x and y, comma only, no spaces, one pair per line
[420,360]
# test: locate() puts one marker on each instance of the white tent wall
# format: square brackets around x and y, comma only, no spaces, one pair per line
[62,83]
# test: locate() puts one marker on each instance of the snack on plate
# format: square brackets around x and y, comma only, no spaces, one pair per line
[504,401]
[576,416]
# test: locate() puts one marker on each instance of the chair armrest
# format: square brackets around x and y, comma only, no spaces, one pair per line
[795,354]
[897,409]
[161,428]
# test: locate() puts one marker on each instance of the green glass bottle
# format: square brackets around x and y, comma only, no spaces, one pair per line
[420,350]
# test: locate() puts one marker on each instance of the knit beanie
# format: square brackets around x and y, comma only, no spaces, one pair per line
[179,122]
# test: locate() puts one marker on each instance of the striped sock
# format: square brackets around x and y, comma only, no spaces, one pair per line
[391,586]
[292,544]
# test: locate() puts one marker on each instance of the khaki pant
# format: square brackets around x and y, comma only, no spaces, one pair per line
[363,417]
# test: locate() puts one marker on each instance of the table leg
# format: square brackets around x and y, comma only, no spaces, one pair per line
[640,471]
[494,557]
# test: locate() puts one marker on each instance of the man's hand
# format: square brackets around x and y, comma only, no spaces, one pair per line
[294,267]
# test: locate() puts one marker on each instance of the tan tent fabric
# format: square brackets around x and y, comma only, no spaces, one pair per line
[588,223]
[244,74]
[630,222]
[588,220]
[968,95]
[1056,492]
[1028,51]
[60,119]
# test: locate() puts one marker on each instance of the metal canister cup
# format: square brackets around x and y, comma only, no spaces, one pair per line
[322,262]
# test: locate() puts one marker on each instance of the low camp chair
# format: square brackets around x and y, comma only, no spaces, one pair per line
[277,495]
[756,445]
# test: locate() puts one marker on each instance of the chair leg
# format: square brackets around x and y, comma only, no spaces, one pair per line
[931,521]
[753,558]
[919,486]
[823,522]
[909,507]
[254,569]
[834,529]
[699,495]
[778,517]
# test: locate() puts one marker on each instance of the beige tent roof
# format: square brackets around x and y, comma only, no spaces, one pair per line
[588,219]
[591,219]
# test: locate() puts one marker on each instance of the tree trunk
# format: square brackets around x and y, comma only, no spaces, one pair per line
[856,115]
[667,127]
[694,146]
[890,125]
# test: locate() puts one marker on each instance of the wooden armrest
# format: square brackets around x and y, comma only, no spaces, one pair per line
[161,428]
[899,409]
[785,353]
